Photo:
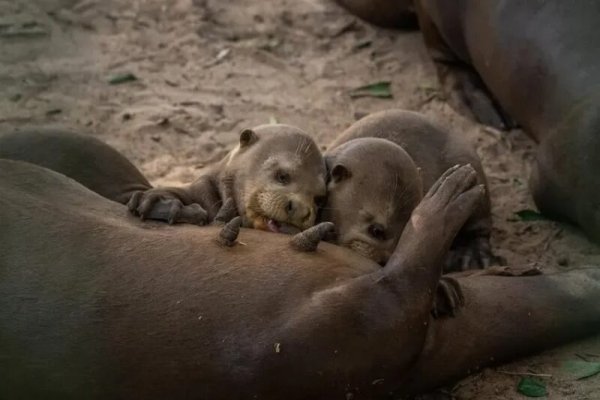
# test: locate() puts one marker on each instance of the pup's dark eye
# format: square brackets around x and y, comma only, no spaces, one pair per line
[377,231]
[282,177]
[320,201]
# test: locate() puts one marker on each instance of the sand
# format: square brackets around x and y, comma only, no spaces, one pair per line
[206,69]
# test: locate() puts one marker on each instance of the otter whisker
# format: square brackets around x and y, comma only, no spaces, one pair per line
[297,151]
[306,147]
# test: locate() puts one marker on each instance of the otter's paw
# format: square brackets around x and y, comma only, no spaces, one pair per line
[161,205]
[228,235]
[309,239]
[226,213]
[447,205]
[485,111]
[467,94]
[448,298]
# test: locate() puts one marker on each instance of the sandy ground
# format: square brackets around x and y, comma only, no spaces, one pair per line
[207,68]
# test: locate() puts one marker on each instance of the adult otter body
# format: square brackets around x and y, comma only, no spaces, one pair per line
[539,60]
[376,184]
[97,304]
[536,60]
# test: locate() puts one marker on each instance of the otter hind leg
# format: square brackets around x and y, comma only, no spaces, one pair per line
[471,250]
[467,94]
[461,85]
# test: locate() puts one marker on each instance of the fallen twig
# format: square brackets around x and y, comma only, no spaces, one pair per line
[524,374]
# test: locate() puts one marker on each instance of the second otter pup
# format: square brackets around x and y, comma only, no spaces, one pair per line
[275,176]
[379,169]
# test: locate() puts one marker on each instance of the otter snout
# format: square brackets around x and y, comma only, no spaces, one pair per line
[369,250]
[277,208]
[301,212]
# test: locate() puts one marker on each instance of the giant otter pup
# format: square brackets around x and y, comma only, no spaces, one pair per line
[379,169]
[96,304]
[537,60]
[275,177]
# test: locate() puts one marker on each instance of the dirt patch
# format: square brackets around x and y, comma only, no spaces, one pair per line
[206,69]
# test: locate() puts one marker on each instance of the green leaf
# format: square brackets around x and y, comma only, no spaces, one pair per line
[530,215]
[363,44]
[380,89]
[582,369]
[53,111]
[122,78]
[532,387]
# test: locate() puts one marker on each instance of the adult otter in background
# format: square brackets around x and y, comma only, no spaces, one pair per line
[275,176]
[380,167]
[98,304]
[537,60]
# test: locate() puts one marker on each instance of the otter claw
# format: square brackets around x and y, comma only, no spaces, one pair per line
[134,201]
[230,232]
[226,213]
[173,212]
[309,239]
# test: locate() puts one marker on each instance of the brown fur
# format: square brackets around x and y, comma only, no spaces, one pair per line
[386,181]
[96,304]
[82,157]
[533,63]
[381,188]
[540,64]
[249,172]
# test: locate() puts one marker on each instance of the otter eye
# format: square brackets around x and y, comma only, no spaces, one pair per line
[377,231]
[282,177]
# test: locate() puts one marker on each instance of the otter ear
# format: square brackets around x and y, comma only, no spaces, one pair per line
[247,137]
[340,173]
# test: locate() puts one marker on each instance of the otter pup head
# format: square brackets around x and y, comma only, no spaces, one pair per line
[373,187]
[278,175]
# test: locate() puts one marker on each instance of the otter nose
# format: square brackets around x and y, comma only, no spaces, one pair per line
[297,210]
[290,207]
[308,215]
